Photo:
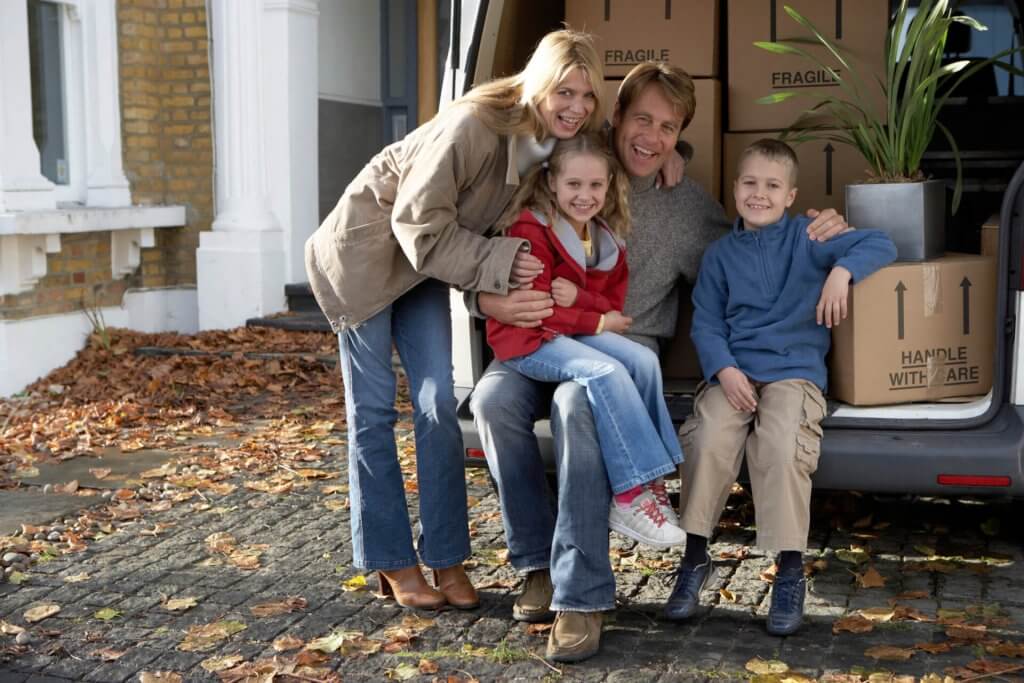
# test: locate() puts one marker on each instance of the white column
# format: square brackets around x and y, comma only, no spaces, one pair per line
[22,185]
[240,263]
[106,182]
[291,102]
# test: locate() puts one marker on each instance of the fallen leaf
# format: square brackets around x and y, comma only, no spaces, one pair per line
[935,648]
[890,653]
[727,595]
[402,672]
[768,575]
[215,664]
[159,677]
[335,504]
[951,616]
[347,642]
[207,636]
[356,583]
[178,604]
[77,578]
[766,666]
[906,613]
[507,584]
[109,654]
[989,667]
[538,629]
[106,614]
[274,608]
[427,666]
[852,555]
[99,472]
[853,623]
[870,578]
[967,633]
[1005,649]
[310,658]
[17,578]
[10,629]
[739,553]
[912,595]
[878,614]
[40,612]
[285,643]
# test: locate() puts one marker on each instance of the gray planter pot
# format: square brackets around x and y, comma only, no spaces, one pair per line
[912,214]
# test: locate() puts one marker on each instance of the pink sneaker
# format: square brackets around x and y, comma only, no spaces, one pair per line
[643,521]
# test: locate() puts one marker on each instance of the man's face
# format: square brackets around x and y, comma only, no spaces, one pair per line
[647,132]
[763,191]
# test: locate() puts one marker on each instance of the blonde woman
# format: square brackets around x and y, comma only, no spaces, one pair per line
[413,222]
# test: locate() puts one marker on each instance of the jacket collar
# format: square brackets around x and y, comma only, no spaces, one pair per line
[571,248]
[783,224]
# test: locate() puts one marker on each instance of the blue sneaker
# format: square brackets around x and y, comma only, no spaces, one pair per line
[786,613]
[685,598]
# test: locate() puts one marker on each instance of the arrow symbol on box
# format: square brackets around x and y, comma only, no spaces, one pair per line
[839,19]
[965,285]
[900,288]
[828,168]
[771,13]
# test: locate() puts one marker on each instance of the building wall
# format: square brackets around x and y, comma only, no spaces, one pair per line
[166,126]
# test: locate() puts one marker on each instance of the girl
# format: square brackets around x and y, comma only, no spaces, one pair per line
[576,218]
[411,223]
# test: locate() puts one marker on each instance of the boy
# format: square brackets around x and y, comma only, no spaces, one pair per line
[762,330]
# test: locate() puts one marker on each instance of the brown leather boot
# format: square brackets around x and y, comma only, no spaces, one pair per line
[409,589]
[534,603]
[453,582]
[575,636]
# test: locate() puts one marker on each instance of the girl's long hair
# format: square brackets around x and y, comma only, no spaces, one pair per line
[535,193]
[510,105]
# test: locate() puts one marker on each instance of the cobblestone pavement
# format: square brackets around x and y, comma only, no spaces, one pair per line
[958,562]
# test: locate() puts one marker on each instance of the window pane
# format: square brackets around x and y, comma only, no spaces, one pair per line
[47,69]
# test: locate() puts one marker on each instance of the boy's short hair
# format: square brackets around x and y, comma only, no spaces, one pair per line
[776,150]
[675,84]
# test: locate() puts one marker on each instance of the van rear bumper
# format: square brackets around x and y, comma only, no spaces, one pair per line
[877,460]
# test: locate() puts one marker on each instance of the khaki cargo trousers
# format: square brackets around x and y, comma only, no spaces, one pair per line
[782,442]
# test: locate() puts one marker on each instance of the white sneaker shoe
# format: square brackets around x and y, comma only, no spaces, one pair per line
[660,493]
[642,520]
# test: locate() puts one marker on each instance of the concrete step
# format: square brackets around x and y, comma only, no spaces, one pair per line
[300,298]
[313,321]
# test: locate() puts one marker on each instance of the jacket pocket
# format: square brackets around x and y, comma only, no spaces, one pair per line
[368,231]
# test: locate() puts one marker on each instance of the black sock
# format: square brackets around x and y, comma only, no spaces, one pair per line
[790,560]
[696,550]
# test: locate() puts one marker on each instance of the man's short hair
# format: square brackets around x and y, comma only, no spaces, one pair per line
[676,85]
[776,150]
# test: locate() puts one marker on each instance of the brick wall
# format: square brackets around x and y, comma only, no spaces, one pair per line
[168,158]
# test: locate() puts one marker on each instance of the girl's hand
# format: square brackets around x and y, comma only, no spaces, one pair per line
[564,292]
[738,390]
[672,171]
[525,268]
[831,309]
[614,321]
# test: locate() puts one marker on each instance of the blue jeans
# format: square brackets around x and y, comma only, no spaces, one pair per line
[568,535]
[419,323]
[623,383]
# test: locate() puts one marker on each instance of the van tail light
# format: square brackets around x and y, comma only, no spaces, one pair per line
[972,480]
[475,453]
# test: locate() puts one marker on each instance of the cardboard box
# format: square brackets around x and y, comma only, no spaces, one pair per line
[628,32]
[704,132]
[860,27]
[990,237]
[825,170]
[917,332]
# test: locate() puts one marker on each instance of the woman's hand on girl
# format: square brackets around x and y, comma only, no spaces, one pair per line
[614,321]
[563,292]
[525,268]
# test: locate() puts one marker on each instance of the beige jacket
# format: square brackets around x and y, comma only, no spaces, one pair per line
[420,209]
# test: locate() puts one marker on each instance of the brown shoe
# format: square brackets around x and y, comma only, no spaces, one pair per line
[534,603]
[575,636]
[409,589]
[453,582]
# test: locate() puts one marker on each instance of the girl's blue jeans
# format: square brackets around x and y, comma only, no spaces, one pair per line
[419,324]
[624,387]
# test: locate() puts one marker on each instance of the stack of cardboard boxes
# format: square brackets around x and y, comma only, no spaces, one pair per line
[680,32]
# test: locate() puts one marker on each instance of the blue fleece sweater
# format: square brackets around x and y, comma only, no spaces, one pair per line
[756,293]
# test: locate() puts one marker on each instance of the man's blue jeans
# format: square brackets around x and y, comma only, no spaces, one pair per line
[623,383]
[419,323]
[569,536]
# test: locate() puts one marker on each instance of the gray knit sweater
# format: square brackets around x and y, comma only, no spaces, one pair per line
[671,229]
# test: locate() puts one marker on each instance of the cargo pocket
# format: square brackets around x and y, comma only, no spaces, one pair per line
[808,436]
[688,433]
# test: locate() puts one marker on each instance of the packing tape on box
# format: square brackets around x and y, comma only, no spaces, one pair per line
[931,280]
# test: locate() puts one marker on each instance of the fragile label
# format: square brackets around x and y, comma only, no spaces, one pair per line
[929,367]
[804,79]
[633,57]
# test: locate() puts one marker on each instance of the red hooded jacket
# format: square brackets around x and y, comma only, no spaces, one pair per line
[601,288]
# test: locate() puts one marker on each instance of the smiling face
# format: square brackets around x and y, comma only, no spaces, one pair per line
[580,188]
[566,108]
[647,132]
[763,191]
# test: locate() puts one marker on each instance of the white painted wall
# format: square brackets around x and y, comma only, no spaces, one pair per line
[349,51]
[31,348]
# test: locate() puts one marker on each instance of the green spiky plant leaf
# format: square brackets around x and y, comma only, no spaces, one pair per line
[916,86]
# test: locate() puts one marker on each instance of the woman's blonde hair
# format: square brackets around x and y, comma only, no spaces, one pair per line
[511,105]
[535,192]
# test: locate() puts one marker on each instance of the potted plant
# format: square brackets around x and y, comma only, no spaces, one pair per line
[892,137]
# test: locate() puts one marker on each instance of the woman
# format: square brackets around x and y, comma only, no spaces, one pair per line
[413,222]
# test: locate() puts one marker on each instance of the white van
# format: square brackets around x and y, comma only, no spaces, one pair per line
[972,447]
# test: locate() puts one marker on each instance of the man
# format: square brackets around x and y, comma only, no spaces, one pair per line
[564,549]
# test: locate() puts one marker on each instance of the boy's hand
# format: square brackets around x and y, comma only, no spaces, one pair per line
[614,321]
[826,224]
[564,292]
[525,268]
[738,390]
[672,171]
[523,307]
[831,309]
